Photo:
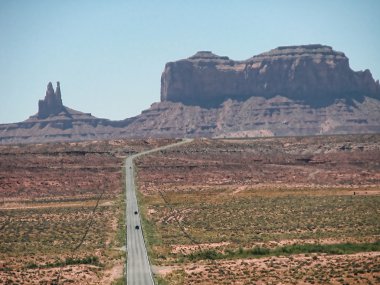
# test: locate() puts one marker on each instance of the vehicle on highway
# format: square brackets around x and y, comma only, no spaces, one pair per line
[137,227]
[135,212]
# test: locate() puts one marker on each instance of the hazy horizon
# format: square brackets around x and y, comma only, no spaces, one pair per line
[109,55]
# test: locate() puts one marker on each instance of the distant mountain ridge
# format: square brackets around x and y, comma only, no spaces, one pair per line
[294,90]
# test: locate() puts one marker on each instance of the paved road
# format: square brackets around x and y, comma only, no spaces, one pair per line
[138,267]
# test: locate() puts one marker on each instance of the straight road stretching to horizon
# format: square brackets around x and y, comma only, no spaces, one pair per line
[138,267]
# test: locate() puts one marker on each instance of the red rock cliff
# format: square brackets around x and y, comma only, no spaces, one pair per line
[313,74]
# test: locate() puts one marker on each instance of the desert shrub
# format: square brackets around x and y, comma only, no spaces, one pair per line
[205,254]
[343,248]
[31,265]
[258,250]
[86,260]
[93,260]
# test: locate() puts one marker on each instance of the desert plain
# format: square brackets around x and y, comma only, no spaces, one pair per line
[286,210]
[291,210]
[62,211]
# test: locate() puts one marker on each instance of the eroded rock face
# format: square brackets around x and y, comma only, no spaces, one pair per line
[52,104]
[257,116]
[314,74]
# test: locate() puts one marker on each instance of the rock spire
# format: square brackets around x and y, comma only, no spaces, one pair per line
[52,104]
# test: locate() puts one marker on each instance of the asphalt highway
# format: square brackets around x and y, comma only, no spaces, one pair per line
[138,266]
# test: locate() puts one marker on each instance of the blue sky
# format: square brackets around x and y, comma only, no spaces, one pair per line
[109,55]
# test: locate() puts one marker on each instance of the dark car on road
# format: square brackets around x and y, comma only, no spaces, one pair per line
[137,227]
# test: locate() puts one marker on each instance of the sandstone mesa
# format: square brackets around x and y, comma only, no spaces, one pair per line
[314,74]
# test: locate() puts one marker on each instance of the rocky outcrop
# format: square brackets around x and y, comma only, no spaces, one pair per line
[52,104]
[56,122]
[312,74]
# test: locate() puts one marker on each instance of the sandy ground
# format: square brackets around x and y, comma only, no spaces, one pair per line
[361,268]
